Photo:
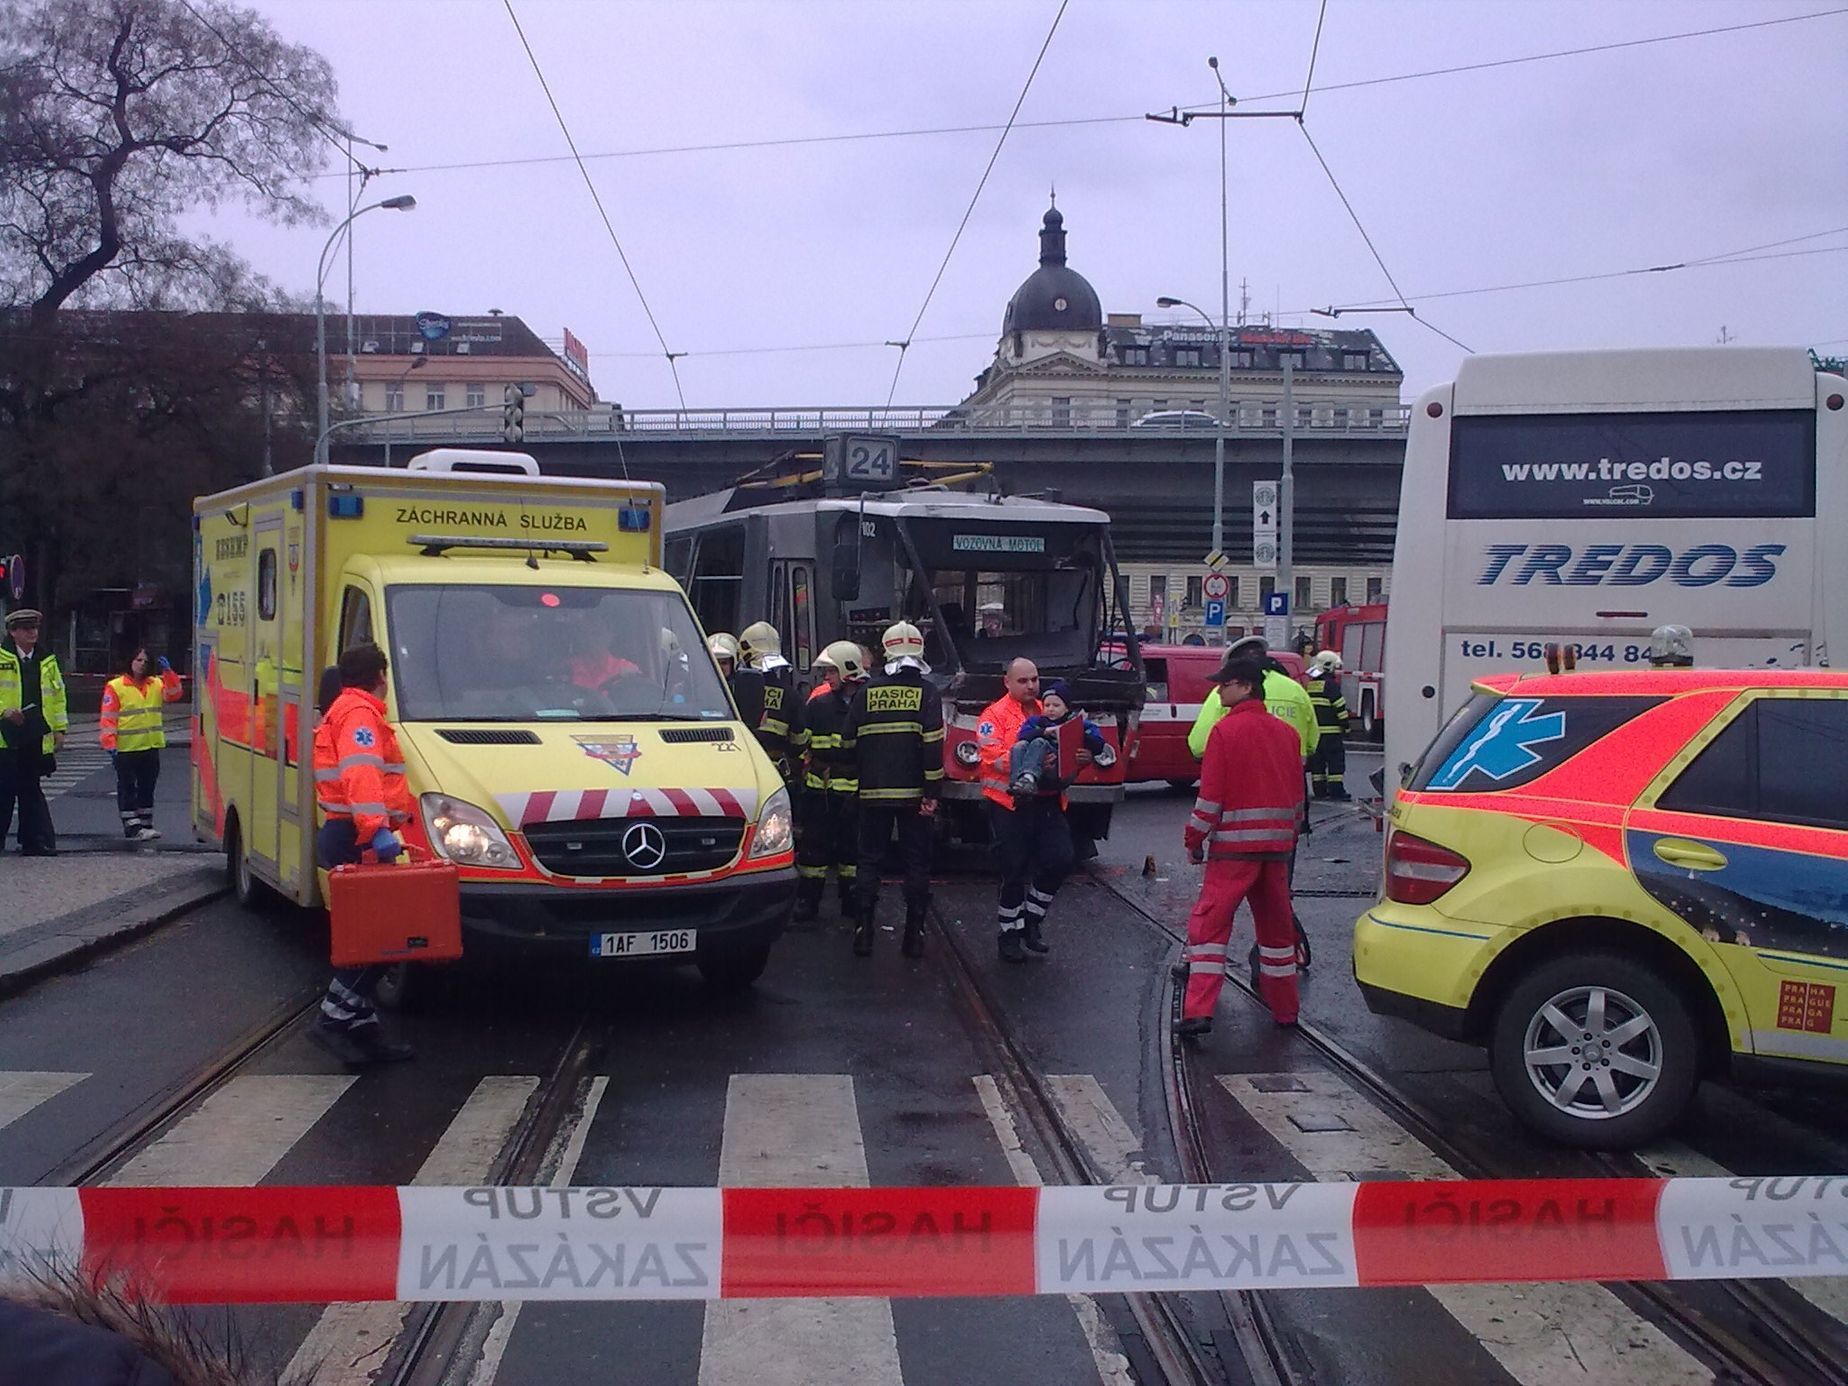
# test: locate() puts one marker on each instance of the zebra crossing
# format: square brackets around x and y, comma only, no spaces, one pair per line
[792,1130]
[77,761]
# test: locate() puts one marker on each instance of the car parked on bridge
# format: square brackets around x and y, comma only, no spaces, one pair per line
[1191,420]
[1621,883]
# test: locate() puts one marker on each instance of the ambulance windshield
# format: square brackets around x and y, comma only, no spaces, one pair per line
[530,654]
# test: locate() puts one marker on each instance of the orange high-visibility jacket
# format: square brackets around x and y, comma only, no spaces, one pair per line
[358,768]
[1000,725]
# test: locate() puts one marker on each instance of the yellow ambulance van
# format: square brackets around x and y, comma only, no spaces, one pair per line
[571,745]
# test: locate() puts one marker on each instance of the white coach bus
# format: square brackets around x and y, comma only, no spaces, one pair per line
[1589,497]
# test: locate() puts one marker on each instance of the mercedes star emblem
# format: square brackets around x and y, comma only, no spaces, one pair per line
[644,846]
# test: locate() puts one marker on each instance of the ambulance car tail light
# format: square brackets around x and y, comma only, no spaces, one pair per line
[1418,871]
[968,753]
[776,828]
[467,835]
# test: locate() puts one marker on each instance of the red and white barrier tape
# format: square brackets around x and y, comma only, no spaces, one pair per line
[322,1244]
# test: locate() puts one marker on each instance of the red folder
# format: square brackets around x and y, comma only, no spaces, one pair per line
[1070,743]
[393,913]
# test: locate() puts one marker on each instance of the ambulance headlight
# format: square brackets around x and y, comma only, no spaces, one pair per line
[467,835]
[776,826]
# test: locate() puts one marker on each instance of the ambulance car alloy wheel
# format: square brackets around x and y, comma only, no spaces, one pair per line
[1595,1050]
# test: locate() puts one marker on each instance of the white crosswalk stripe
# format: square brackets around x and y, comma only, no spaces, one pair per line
[76,763]
[1539,1333]
[21,1092]
[239,1133]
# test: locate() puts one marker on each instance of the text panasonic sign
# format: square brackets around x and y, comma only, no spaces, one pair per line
[1627,565]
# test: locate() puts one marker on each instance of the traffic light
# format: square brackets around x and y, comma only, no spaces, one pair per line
[513,415]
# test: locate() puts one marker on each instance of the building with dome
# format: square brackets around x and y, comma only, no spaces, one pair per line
[1063,362]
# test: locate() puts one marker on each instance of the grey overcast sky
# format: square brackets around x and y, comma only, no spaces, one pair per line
[1581,165]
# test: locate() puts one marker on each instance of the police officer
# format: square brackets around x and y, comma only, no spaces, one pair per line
[830,783]
[895,726]
[764,673]
[1283,695]
[33,719]
[1328,761]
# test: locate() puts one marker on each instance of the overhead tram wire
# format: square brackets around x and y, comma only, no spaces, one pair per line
[636,284]
[789,141]
[1314,48]
[904,346]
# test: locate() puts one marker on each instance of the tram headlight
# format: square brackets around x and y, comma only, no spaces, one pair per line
[968,753]
[467,835]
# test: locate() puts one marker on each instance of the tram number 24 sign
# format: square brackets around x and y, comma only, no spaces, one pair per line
[861,459]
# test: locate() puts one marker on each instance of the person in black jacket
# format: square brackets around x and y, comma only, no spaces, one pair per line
[895,727]
[766,678]
[830,788]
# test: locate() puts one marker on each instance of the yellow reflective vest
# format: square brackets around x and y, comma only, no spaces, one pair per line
[52,704]
[1284,698]
[132,712]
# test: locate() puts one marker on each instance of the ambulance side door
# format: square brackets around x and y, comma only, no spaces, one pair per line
[1748,844]
[268,658]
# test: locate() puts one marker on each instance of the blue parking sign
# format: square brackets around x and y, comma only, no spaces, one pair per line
[1215,613]
[1277,604]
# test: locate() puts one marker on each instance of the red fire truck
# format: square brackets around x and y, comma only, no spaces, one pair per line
[1358,635]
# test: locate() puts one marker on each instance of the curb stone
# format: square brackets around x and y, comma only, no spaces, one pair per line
[68,941]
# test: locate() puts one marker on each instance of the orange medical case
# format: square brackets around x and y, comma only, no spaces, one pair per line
[393,913]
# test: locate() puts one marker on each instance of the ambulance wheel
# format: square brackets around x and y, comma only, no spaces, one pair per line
[407,988]
[734,971]
[246,889]
[1595,1051]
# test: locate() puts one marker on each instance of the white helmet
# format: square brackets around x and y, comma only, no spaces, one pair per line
[1325,662]
[903,640]
[722,645]
[844,655]
[757,640]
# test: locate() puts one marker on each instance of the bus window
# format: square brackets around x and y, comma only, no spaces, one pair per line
[717,586]
[679,559]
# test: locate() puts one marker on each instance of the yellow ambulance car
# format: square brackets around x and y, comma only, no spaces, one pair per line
[571,745]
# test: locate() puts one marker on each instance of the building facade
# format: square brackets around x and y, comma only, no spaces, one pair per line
[1062,362]
[397,367]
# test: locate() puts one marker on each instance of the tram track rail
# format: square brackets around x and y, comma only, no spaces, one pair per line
[1758,1332]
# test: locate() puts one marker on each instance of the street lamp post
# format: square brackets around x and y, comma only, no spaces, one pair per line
[403,203]
[1223,330]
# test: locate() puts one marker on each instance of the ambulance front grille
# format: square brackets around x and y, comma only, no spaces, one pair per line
[605,846]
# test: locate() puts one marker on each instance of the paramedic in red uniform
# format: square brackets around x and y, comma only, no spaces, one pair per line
[359,786]
[1244,827]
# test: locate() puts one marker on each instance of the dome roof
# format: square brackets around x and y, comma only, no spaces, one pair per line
[1054,297]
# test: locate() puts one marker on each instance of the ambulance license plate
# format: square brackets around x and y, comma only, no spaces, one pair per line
[643,945]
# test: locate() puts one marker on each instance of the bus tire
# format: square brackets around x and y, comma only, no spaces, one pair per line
[246,889]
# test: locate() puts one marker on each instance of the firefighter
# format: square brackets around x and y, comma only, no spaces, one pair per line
[1244,827]
[1031,835]
[895,727]
[132,733]
[723,647]
[33,719]
[827,804]
[1328,761]
[360,787]
[764,670]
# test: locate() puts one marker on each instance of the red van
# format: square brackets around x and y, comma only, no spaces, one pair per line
[1179,678]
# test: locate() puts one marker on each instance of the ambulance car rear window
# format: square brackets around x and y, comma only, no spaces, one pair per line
[1505,742]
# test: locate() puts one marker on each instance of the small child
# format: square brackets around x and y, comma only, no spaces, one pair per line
[1033,764]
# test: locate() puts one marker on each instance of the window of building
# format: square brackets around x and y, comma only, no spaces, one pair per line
[1294,359]
[1266,586]
[1124,411]
[394,397]
[477,396]
[1135,356]
[434,397]
[1376,588]
[1187,356]
[1232,593]
[1303,600]
[1194,597]
[1337,591]
[1062,413]
[1241,359]
[1353,360]
[1158,599]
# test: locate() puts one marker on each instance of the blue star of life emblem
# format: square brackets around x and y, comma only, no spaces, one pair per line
[986,730]
[362,736]
[1502,745]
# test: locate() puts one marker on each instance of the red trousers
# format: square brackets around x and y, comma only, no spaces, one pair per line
[1209,929]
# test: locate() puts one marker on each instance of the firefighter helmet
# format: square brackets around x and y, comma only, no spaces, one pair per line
[757,640]
[722,645]
[1325,663]
[845,656]
[903,640]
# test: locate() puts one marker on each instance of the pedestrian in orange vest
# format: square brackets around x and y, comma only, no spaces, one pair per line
[133,734]
[1244,827]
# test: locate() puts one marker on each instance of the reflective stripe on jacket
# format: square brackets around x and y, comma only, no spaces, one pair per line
[52,704]
[830,746]
[132,712]
[1000,726]
[1331,711]
[1284,697]
[895,725]
[358,768]
[1251,788]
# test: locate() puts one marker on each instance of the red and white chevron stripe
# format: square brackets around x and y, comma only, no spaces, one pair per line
[577,805]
